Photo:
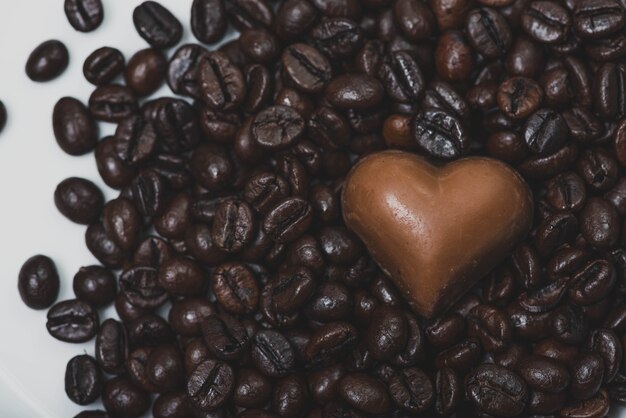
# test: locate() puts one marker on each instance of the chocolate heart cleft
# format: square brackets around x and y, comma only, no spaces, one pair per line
[436,230]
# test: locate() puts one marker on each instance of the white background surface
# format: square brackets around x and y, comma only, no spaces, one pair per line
[32,364]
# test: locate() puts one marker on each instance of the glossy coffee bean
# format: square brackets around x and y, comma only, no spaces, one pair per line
[546,22]
[508,392]
[488,32]
[157,25]
[306,67]
[364,393]
[519,97]
[252,389]
[440,134]
[182,276]
[600,223]
[38,282]
[208,20]
[95,285]
[122,398]
[47,61]
[172,405]
[595,19]
[103,65]
[112,103]
[354,92]
[83,380]
[145,71]
[111,347]
[233,226]
[272,354]
[74,129]
[84,15]
[72,321]
[210,384]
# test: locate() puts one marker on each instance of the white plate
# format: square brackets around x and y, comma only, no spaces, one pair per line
[32,364]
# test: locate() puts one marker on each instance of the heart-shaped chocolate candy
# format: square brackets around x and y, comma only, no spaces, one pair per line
[436,230]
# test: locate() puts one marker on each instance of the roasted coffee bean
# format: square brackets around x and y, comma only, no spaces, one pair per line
[496,390]
[182,276]
[364,393]
[587,376]
[414,19]
[566,191]
[544,374]
[445,331]
[235,288]
[38,282]
[402,77]
[519,97]
[111,347]
[208,20]
[608,85]
[172,405]
[411,389]
[595,19]
[330,302]
[74,129]
[84,15]
[187,315]
[598,168]
[329,341]
[233,226]
[95,285]
[165,369]
[387,333]
[454,58]
[461,356]
[252,389]
[291,289]
[606,343]
[248,14]
[337,37]
[140,286]
[221,83]
[488,32]
[263,191]
[115,171]
[288,220]
[177,125]
[307,68]
[545,298]
[183,70]
[592,282]
[440,134]
[272,354]
[569,325]
[122,223]
[290,396]
[555,231]
[103,65]
[225,336]
[83,380]
[149,330]
[259,45]
[546,22]
[600,223]
[48,61]
[72,321]
[122,398]
[354,91]
[174,219]
[448,391]
[490,326]
[157,25]
[598,406]
[112,103]
[545,131]
[277,127]
[146,71]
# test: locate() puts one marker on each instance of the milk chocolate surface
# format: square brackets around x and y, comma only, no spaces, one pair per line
[436,230]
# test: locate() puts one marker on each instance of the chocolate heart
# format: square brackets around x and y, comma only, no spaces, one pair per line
[436,230]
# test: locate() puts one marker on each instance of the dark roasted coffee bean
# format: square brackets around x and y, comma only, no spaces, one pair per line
[387,333]
[122,398]
[519,97]
[111,347]
[461,356]
[290,396]
[598,168]
[598,18]
[248,14]
[221,83]
[84,15]
[566,191]
[225,336]
[330,302]
[72,321]
[157,25]
[545,298]
[448,391]
[182,276]
[609,84]
[265,190]
[354,91]
[488,32]
[414,19]
[606,343]
[440,134]
[113,167]
[337,37]
[208,20]
[103,65]
[544,374]
[95,285]
[140,286]
[402,77]
[411,389]
[587,376]
[328,342]
[47,61]
[148,192]
[259,45]
[74,129]
[277,127]
[272,354]
[307,68]
[83,380]
[235,288]
[233,226]
[445,331]
[364,393]
[291,289]
[187,315]
[174,219]
[38,282]
[146,71]
[183,70]
[569,325]
[496,391]
[598,406]
[252,389]
[172,405]
[102,246]
[454,58]
[112,103]
[288,220]
[490,326]
[122,223]
[546,22]
[164,368]
[525,58]
[149,330]
[592,282]
[545,131]
[600,223]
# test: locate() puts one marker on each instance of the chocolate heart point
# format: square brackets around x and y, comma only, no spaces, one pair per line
[436,230]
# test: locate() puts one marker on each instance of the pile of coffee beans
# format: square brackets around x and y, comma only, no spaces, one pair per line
[239,290]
